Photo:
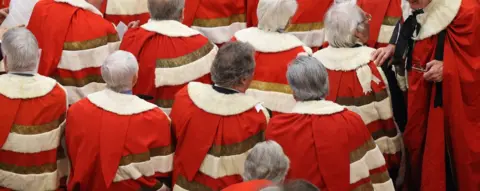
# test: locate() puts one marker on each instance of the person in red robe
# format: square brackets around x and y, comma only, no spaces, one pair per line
[217,125]
[443,72]
[32,113]
[327,144]
[266,165]
[170,54]
[74,48]
[356,82]
[218,19]
[128,146]
[126,11]
[274,51]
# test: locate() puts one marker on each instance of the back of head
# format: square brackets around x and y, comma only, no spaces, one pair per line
[166,9]
[300,185]
[341,22]
[274,15]
[233,64]
[308,79]
[120,70]
[266,161]
[20,48]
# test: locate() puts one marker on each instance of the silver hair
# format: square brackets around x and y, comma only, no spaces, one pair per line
[234,62]
[266,161]
[20,48]
[342,20]
[274,15]
[166,9]
[272,188]
[119,70]
[308,79]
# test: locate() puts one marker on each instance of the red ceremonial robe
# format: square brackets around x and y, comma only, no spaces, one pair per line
[273,53]
[170,55]
[125,11]
[356,82]
[32,111]
[330,147]
[127,146]
[460,115]
[218,20]
[74,48]
[252,185]
[385,15]
[5,3]
[214,134]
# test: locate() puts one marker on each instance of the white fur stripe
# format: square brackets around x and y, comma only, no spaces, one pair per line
[269,42]
[178,188]
[314,38]
[361,169]
[29,182]
[77,93]
[162,164]
[82,4]
[390,145]
[186,73]
[275,101]
[374,111]
[126,7]
[219,35]
[33,143]
[169,28]
[91,58]
[120,104]
[385,34]
[21,87]
[166,110]
[218,167]
[386,186]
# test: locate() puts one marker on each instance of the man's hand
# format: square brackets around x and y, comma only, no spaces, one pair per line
[381,55]
[134,24]
[434,71]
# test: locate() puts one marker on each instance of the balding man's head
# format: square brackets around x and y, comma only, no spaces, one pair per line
[166,9]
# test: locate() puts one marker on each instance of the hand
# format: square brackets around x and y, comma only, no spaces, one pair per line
[434,71]
[381,55]
[3,14]
[134,24]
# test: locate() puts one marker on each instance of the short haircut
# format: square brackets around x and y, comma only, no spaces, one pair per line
[20,48]
[234,62]
[300,185]
[266,161]
[341,22]
[166,9]
[308,79]
[118,71]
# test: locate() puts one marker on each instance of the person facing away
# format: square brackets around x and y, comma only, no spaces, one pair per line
[327,144]
[266,165]
[170,54]
[125,11]
[273,52]
[75,40]
[115,140]
[217,125]
[32,113]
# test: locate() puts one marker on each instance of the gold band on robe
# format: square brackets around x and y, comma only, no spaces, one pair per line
[143,157]
[272,87]
[163,103]
[380,177]
[390,21]
[385,133]
[37,129]
[90,44]
[220,22]
[237,148]
[185,184]
[186,59]
[28,170]
[79,82]
[361,151]
[303,27]
[363,100]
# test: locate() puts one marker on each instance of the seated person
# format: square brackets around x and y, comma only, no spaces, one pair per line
[126,11]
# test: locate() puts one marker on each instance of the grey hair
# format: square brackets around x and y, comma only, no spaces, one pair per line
[308,79]
[166,9]
[272,188]
[274,15]
[118,71]
[342,20]
[20,47]
[266,161]
[300,185]
[234,62]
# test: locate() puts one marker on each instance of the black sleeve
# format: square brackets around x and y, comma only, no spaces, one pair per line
[394,38]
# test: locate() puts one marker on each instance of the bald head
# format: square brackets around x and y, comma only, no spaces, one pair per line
[166,9]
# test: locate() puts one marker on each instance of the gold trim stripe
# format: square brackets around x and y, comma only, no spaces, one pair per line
[164,103]
[186,59]
[142,157]
[364,187]
[236,148]
[384,133]
[362,100]
[37,129]
[90,44]
[219,22]
[185,184]
[272,87]
[362,151]
[380,177]
[304,27]
[46,168]
[79,82]
[390,21]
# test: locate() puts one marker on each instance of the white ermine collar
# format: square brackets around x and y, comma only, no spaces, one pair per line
[121,104]
[321,107]
[169,28]
[82,4]
[269,42]
[23,87]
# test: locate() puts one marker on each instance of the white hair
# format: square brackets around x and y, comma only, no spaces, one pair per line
[20,48]
[308,79]
[119,70]
[341,22]
[166,9]
[274,15]
[266,161]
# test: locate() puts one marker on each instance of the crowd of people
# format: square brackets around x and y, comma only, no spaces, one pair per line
[254,95]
